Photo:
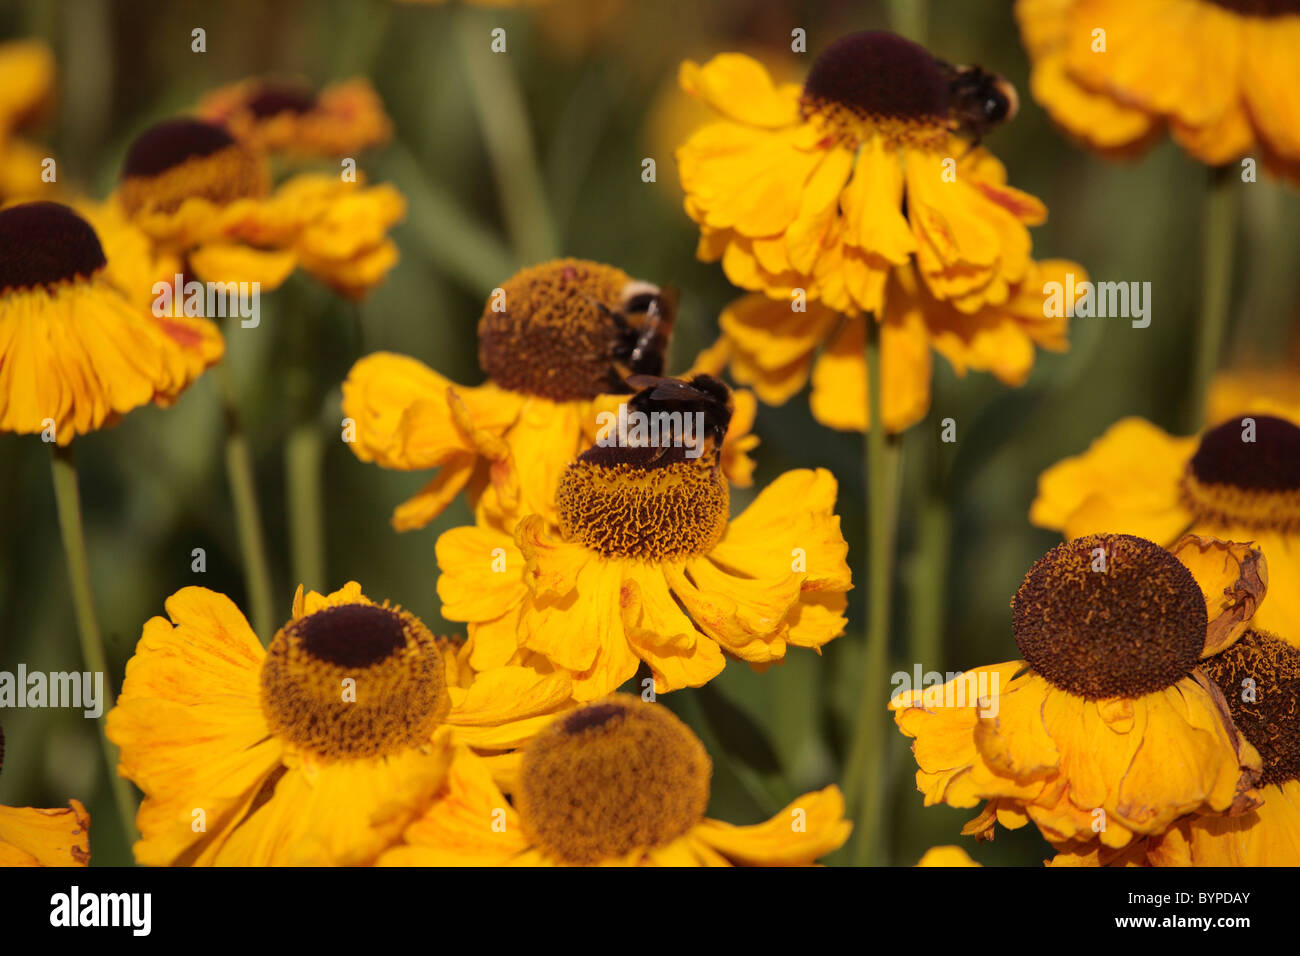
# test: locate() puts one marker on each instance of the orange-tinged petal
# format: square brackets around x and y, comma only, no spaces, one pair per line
[1233,577]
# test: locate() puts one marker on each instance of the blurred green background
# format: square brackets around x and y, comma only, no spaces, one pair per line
[595,82]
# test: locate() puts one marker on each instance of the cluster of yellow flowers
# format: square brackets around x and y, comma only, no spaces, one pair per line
[1153,720]
[355,736]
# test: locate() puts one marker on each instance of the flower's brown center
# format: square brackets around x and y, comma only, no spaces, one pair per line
[272,99]
[556,330]
[652,503]
[1260,679]
[609,778]
[1110,615]
[43,244]
[878,83]
[182,159]
[1260,8]
[354,681]
[1246,472]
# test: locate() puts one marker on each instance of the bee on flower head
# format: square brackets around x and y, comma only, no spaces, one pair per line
[878,68]
[701,398]
[979,100]
[643,322]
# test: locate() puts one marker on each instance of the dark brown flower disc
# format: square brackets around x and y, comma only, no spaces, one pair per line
[45,243]
[1110,615]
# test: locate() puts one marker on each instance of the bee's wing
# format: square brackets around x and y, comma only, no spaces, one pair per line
[641,381]
[672,390]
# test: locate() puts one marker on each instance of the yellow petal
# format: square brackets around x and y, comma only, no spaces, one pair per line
[739,87]
[812,826]
[946,856]
[235,262]
[57,837]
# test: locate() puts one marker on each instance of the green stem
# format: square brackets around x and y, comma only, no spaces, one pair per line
[1217,241]
[248,519]
[67,499]
[501,113]
[866,771]
[304,490]
[925,604]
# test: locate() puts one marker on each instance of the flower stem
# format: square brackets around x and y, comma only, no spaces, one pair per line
[248,519]
[304,486]
[865,774]
[67,499]
[504,121]
[929,571]
[304,489]
[1217,241]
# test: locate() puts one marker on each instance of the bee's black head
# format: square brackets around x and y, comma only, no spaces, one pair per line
[982,100]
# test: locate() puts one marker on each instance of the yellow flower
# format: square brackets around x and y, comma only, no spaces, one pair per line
[79,345]
[1259,676]
[1238,480]
[289,118]
[319,749]
[58,837]
[1269,835]
[27,67]
[946,856]
[1260,679]
[829,187]
[26,86]
[1107,731]
[647,567]
[1261,389]
[775,349]
[199,194]
[1220,74]
[619,782]
[554,341]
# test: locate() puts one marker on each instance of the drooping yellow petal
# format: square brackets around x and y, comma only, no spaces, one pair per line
[812,826]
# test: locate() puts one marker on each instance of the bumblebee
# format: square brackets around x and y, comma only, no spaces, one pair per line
[702,394]
[979,100]
[641,343]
